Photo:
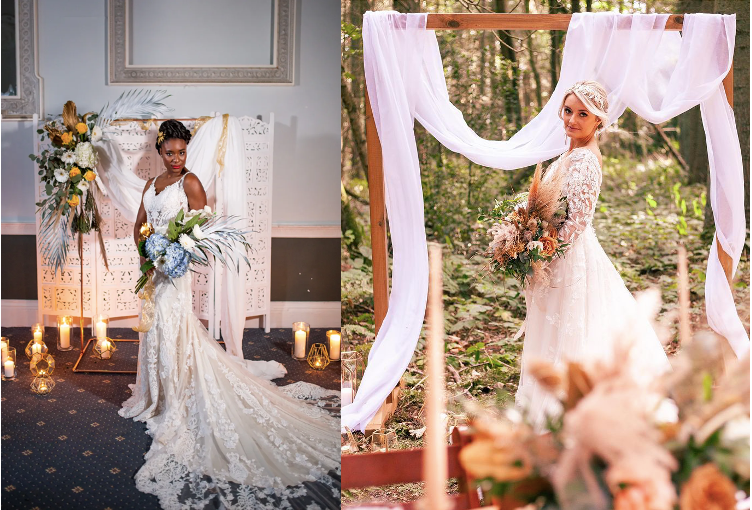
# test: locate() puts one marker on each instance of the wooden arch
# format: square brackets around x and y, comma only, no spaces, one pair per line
[464,21]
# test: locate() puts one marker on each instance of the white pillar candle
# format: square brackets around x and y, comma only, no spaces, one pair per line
[101,330]
[335,340]
[36,348]
[8,368]
[300,341]
[64,336]
[38,335]
[106,352]
[347,396]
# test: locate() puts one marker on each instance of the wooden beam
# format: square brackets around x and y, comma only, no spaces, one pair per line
[483,21]
[376,195]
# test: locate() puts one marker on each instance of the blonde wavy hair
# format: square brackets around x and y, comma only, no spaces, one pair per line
[594,97]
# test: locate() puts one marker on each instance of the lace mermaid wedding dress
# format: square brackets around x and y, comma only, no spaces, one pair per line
[574,316]
[223,435]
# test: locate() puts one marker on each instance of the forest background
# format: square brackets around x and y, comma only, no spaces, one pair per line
[654,194]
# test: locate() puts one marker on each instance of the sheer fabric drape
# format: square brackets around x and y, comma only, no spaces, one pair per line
[124,187]
[655,73]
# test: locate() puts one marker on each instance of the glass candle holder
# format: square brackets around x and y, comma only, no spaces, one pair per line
[350,369]
[105,348]
[10,370]
[37,331]
[42,364]
[35,347]
[334,340]
[317,357]
[383,440]
[300,333]
[4,345]
[64,325]
[99,325]
[42,385]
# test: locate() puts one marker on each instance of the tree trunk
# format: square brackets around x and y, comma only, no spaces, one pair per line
[575,6]
[589,5]
[554,61]
[692,145]
[533,67]
[353,116]
[511,88]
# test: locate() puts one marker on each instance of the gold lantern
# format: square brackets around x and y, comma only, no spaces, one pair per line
[42,364]
[9,364]
[383,440]
[334,340]
[352,366]
[105,348]
[64,325]
[100,325]
[300,332]
[317,357]
[42,385]
[35,347]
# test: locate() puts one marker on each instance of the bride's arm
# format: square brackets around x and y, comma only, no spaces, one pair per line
[584,184]
[195,192]
[141,216]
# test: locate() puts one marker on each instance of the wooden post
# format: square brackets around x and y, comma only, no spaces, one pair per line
[725,258]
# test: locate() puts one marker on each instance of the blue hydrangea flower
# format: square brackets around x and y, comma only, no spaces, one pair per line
[176,260]
[156,245]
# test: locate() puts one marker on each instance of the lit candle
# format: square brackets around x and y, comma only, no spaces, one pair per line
[64,336]
[4,348]
[347,395]
[43,386]
[106,352]
[300,341]
[37,335]
[9,368]
[101,330]
[335,340]
[36,348]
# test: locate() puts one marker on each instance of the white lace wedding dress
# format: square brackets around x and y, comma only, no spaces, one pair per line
[574,315]
[223,435]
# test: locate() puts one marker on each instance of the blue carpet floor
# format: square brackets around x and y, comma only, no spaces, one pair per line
[71,450]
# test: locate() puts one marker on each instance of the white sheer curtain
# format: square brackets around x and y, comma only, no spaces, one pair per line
[657,74]
[125,188]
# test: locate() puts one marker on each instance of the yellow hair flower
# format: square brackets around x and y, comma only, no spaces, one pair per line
[160,138]
[67,137]
[74,172]
[73,201]
[81,128]
[90,176]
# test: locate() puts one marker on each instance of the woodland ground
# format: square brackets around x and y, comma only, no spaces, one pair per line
[642,217]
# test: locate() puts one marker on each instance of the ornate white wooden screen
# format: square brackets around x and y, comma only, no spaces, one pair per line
[111,292]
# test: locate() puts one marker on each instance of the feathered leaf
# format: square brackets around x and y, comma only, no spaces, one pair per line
[134,103]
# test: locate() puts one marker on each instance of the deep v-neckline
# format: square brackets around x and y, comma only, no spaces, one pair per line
[154,185]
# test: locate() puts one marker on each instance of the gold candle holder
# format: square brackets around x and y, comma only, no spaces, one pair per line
[42,385]
[42,364]
[351,367]
[300,334]
[104,349]
[35,347]
[383,440]
[10,370]
[64,325]
[334,341]
[318,359]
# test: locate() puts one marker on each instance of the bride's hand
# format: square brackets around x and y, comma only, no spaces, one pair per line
[143,261]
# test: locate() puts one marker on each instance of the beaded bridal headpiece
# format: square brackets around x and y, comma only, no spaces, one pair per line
[590,92]
[594,96]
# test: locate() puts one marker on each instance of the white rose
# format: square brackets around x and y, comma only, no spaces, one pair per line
[735,430]
[197,233]
[193,212]
[666,412]
[68,157]
[83,185]
[61,175]
[535,244]
[86,157]
[207,209]
[96,134]
[186,242]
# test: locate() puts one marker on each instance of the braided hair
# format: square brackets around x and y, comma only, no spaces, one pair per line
[172,129]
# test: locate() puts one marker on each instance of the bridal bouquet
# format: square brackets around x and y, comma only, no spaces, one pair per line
[190,239]
[525,229]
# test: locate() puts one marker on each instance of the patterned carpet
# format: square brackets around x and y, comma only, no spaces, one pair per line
[71,450]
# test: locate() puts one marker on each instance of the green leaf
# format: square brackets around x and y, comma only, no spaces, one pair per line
[707,387]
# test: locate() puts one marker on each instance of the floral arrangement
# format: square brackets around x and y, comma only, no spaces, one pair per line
[525,230]
[68,170]
[190,239]
[621,443]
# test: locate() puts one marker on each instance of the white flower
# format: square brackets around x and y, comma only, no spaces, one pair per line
[735,430]
[207,209]
[159,263]
[160,229]
[197,233]
[61,175]
[186,242]
[96,134]
[667,412]
[68,157]
[535,244]
[83,185]
[86,156]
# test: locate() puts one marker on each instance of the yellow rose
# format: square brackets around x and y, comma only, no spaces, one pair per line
[90,176]
[81,128]
[549,245]
[74,172]
[67,137]
[73,201]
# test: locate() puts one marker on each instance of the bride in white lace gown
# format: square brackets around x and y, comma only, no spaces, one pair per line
[573,316]
[223,435]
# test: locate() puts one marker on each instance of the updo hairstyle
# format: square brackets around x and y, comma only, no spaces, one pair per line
[594,97]
[172,129]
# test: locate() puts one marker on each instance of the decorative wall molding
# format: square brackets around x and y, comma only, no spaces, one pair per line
[319,314]
[18,229]
[307,231]
[29,98]
[280,72]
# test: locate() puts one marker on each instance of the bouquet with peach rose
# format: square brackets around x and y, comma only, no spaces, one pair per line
[524,230]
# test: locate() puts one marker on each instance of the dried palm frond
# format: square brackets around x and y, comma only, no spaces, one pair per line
[134,103]
[221,233]
[70,119]
[53,239]
[56,136]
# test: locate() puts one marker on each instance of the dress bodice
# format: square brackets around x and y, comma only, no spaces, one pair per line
[161,208]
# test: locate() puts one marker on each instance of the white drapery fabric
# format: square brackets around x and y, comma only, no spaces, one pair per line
[125,188]
[658,74]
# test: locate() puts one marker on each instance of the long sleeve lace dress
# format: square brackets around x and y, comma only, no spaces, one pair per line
[223,435]
[574,316]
